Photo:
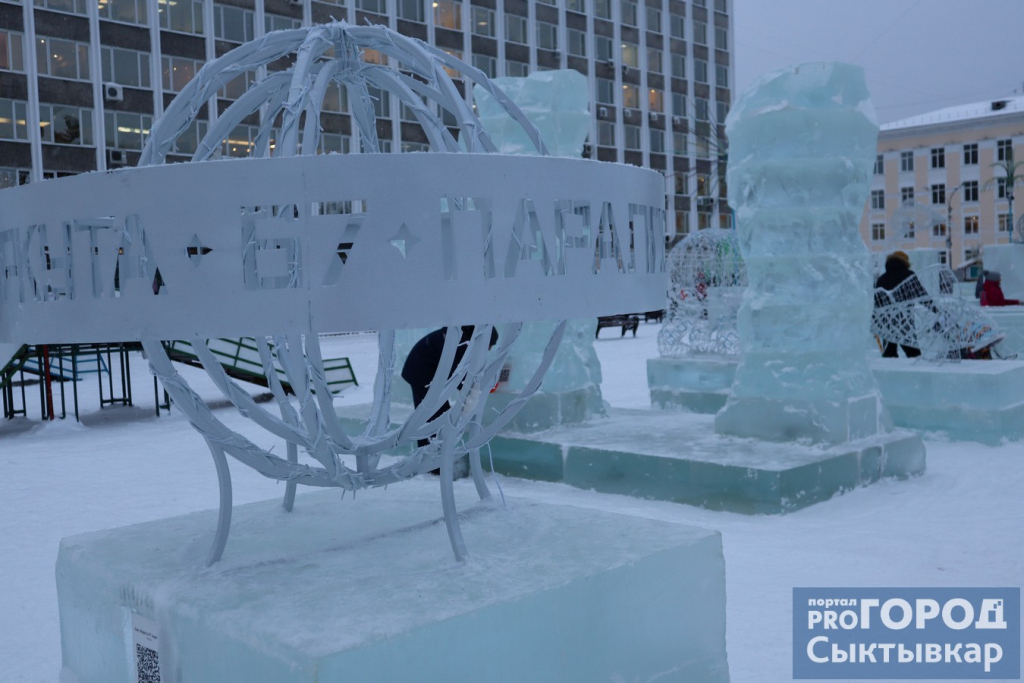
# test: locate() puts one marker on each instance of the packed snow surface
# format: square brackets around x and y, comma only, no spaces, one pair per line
[961,524]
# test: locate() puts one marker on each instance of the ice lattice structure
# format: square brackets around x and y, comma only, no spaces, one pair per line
[707,279]
[802,145]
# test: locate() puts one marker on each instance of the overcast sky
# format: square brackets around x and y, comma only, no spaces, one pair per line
[919,55]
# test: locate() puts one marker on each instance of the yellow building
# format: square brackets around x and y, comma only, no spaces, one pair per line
[935,184]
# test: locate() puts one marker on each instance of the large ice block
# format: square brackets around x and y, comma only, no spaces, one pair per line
[1008,261]
[802,145]
[366,591]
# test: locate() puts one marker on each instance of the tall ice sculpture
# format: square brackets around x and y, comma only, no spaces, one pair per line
[802,144]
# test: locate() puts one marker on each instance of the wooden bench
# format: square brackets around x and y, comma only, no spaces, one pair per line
[626,322]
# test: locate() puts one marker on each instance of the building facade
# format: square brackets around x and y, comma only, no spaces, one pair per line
[939,181]
[81,81]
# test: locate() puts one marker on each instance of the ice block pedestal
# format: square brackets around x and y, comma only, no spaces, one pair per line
[696,383]
[368,591]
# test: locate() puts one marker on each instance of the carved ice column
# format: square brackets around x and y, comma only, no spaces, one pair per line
[802,143]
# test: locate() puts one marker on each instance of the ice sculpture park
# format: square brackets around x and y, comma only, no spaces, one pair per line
[510,246]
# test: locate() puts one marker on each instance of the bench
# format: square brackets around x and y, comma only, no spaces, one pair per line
[626,322]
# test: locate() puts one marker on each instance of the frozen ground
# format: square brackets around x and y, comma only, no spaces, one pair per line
[962,524]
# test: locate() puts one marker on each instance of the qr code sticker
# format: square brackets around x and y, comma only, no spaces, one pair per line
[147,664]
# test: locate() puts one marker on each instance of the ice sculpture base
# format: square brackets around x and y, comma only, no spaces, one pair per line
[1010,321]
[679,457]
[547,409]
[970,400]
[697,383]
[368,591]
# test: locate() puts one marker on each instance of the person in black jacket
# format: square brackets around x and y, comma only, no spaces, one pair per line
[901,284]
[424,358]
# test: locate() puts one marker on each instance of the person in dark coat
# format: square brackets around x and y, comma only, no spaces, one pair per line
[992,292]
[424,358]
[901,284]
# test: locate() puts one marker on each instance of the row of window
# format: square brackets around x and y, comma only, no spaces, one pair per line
[969,189]
[1004,152]
[971,227]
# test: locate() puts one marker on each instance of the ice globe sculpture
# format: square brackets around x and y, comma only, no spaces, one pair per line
[707,279]
[288,244]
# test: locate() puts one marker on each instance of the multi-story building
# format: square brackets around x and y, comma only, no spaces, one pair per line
[940,180]
[81,81]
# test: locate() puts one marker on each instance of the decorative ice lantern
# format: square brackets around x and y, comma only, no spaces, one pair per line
[802,143]
[707,279]
[288,244]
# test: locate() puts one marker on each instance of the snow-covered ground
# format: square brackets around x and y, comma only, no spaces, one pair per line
[962,524]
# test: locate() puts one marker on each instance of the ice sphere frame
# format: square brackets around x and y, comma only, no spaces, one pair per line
[707,279]
[289,244]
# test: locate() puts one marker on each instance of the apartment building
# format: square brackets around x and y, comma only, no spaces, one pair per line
[938,182]
[81,81]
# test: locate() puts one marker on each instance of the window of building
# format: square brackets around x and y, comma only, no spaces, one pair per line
[630,96]
[375,6]
[703,185]
[682,223]
[700,106]
[720,6]
[939,230]
[877,232]
[656,100]
[721,38]
[12,177]
[515,28]
[877,200]
[233,24]
[63,125]
[13,118]
[183,16]
[483,21]
[657,141]
[381,102]
[178,71]
[679,148]
[412,10]
[703,147]
[603,48]
[448,14]
[906,195]
[276,22]
[487,64]
[605,91]
[547,35]
[939,193]
[721,75]
[879,165]
[577,42]
[12,54]
[603,9]
[678,65]
[127,130]
[906,162]
[700,32]
[1004,150]
[629,13]
[67,6]
[654,19]
[631,136]
[630,55]
[938,157]
[127,67]
[723,111]
[678,104]
[1001,188]
[970,225]
[62,58]
[237,86]
[605,133]
[576,6]
[682,185]
[1003,222]
[335,99]
[654,59]
[332,143]
[971,154]
[677,26]
[408,146]
[375,57]
[124,11]
[700,70]
[517,69]
[971,191]
[704,217]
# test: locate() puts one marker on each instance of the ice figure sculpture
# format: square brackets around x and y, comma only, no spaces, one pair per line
[928,313]
[707,279]
[802,145]
[554,101]
[288,244]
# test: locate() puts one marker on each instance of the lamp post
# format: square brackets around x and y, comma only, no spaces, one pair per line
[949,221]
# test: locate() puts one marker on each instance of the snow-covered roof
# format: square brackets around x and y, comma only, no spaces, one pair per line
[962,112]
